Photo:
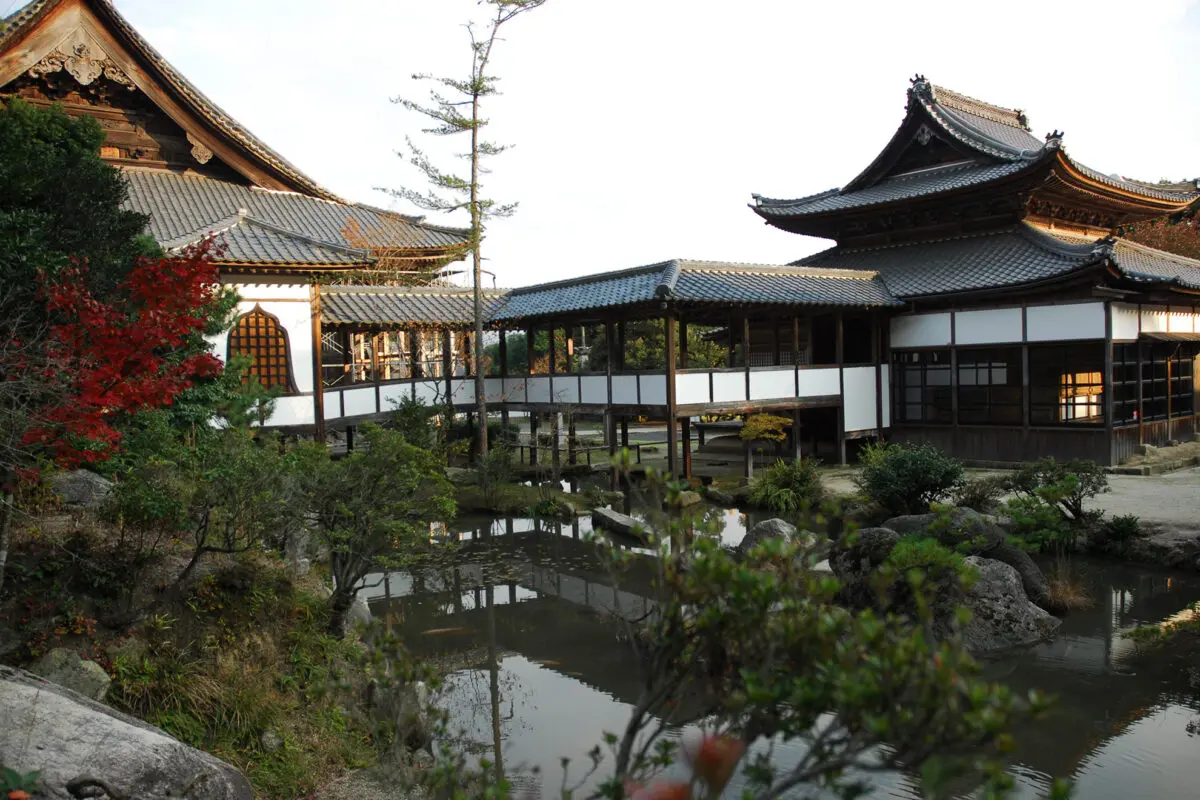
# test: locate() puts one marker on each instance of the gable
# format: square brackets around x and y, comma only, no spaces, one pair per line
[83,54]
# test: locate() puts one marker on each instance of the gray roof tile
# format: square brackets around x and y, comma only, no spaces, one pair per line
[185,208]
[1009,257]
[1141,263]
[400,305]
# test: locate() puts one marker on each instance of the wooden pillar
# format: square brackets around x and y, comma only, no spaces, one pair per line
[672,344]
[1141,358]
[448,364]
[683,344]
[572,446]
[746,352]
[796,351]
[610,434]
[841,360]
[555,434]
[776,356]
[533,438]
[1108,384]
[415,352]
[552,350]
[685,425]
[797,450]
[620,365]
[624,432]
[502,352]
[318,377]
[529,333]
[747,459]
[350,439]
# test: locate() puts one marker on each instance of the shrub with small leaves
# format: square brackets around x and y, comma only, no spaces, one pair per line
[982,494]
[1114,536]
[788,487]
[1065,484]
[906,478]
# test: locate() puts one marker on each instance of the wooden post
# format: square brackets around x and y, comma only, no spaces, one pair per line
[529,332]
[572,448]
[448,365]
[552,350]
[555,433]
[685,425]
[502,352]
[672,430]
[620,365]
[533,438]
[797,450]
[683,344]
[1141,360]
[776,356]
[747,459]
[796,351]
[350,439]
[624,432]
[841,359]
[318,376]
[730,360]
[415,353]
[746,352]
[1108,384]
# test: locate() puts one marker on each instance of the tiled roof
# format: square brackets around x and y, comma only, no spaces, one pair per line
[900,187]
[246,240]
[203,107]
[185,208]
[993,130]
[1140,263]
[1012,256]
[1173,193]
[376,305]
[697,282]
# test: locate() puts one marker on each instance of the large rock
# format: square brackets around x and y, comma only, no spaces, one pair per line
[719,497]
[101,752]
[81,489]
[1002,616]
[688,498]
[1168,546]
[359,615]
[857,556]
[984,536]
[767,529]
[67,669]
[616,522]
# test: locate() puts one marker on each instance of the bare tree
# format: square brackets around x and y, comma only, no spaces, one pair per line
[455,106]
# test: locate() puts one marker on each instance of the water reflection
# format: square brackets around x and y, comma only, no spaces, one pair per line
[533,617]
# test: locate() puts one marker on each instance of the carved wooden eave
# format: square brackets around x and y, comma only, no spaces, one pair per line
[93,44]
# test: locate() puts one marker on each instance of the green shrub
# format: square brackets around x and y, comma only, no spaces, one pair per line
[1113,536]
[1063,484]
[906,478]
[552,508]
[924,553]
[1039,526]
[493,471]
[982,494]
[788,487]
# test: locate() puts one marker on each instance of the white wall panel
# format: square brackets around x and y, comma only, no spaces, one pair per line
[494,389]
[360,401]
[691,388]
[858,399]
[729,387]
[595,389]
[537,388]
[921,330]
[565,389]
[462,391]
[391,395]
[1124,322]
[772,384]
[624,389]
[333,404]
[819,382]
[993,326]
[654,389]
[514,390]
[1181,320]
[430,392]
[887,396]
[1068,321]
[254,292]
[292,410]
[1154,319]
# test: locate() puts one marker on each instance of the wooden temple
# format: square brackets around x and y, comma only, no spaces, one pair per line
[979,295]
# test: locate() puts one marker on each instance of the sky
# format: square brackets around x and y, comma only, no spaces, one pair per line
[642,127]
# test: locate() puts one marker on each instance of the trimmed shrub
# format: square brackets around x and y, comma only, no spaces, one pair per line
[1063,484]
[1114,536]
[907,478]
[982,494]
[788,487]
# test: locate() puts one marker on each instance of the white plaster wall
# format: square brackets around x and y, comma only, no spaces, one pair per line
[820,382]
[359,401]
[624,389]
[428,392]
[921,330]
[729,387]
[292,410]
[462,391]
[1181,320]
[691,388]
[1064,322]
[494,388]
[291,304]
[595,389]
[887,396]
[858,398]
[654,389]
[390,396]
[514,390]
[333,404]
[1154,319]
[772,384]
[994,325]
[566,389]
[1124,322]
[537,388]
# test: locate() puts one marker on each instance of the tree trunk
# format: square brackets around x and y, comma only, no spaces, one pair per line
[477,242]
[7,504]
[339,608]
[494,684]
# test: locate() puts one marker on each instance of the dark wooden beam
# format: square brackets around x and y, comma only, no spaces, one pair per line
[840,349]
[318,374]
[672,345]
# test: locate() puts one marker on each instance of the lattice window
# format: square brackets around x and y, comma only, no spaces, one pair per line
[260,336]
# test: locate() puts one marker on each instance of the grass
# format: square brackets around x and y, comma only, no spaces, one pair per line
[1067,591]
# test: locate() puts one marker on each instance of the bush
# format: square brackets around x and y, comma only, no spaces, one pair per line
[788,487]
[1065,485]
[1114,536]
[493,471]
[1039,526]
[982,494]
[924,553]
[906,478]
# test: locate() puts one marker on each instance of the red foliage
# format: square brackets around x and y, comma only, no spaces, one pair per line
[112,358]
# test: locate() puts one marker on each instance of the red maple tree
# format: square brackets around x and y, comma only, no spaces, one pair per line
[106,358]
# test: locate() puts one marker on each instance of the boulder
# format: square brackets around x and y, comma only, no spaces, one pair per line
[270,741]
[81,489]
[67,669]
[616,522]
[767,529]
[96,751]
[987,538]
[719,497]
[1002,616]
[688,499]
[461,477]
[359,614]
[1168,546]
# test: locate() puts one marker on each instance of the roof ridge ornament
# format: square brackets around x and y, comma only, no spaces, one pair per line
[1054,139]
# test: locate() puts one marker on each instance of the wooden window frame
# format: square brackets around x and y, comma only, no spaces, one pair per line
[992,393]
[287,384]
[936,400]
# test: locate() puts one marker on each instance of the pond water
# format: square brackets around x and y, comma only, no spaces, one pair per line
[532,597]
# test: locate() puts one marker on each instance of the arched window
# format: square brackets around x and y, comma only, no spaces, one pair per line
[260,336]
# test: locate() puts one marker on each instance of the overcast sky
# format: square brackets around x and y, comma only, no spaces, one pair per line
[643,126]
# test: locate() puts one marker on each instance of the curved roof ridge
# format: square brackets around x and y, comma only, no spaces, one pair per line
[596,276]
[957,100]
[952,121]
[1137,187]
[732,267]
[426,291]
[1154,251]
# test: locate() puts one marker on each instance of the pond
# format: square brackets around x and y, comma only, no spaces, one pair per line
[532,597]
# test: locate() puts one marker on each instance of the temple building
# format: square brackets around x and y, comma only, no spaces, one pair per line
[979,295]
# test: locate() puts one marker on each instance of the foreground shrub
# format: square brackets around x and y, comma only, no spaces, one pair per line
[788,487]
[906,478]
